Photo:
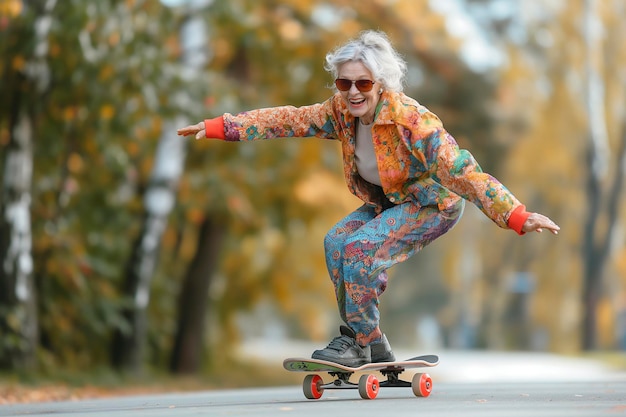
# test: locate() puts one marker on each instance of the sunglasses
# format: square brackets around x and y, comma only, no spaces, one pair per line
[362,85]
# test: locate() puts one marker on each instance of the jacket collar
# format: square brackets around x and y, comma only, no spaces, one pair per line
[383,114]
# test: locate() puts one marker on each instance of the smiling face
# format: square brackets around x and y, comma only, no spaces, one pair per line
[360,104]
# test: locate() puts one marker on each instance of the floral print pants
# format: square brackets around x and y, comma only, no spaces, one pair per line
[363,245]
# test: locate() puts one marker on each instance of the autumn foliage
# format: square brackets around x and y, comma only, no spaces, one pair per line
[116,81]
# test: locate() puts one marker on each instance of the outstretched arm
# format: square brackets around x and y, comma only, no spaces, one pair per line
[267,123]
[457,170]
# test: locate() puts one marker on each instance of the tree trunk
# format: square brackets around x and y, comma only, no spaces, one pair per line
[127,350]
[18,307]
[128,343]
[193,302]
[595,246]
[19,327]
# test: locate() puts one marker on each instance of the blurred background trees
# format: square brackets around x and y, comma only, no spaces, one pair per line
[145,249]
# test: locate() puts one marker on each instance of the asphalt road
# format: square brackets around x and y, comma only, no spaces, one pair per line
[465,384]
[535,399]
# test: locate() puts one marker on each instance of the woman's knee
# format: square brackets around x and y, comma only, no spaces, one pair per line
[358,251]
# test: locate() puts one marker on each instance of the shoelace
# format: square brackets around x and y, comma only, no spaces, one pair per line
[341,343]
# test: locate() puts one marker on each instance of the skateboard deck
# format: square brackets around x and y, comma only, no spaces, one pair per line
[368,386]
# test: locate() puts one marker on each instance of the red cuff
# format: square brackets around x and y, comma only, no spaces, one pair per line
[214,128]
[518,218]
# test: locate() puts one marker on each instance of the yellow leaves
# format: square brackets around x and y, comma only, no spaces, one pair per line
[549,165]
[169,239]
[107,112]
[173,46]
[55,49]
[75,163]
[262,250]
[91,26]
[323,189]
[133,149]
[106,72]
[195,215]
[19,63]
[91,147]
[291,30]
[222,50]
[147,129]
[145,166]
[10,8]
[114,38]
[156,126]
[240,207]
[69,113]
[607,322]
[351,27]
[5,136]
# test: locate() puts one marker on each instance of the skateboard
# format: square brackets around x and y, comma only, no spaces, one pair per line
[313,385]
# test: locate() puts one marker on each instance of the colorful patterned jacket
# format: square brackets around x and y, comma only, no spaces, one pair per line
[418,160]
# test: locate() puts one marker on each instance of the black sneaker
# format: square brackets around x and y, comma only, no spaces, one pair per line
[381,351]
[344,350]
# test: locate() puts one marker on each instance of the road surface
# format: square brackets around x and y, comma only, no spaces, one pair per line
[466,384]
[529,399]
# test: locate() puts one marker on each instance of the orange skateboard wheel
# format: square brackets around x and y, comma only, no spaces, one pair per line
[422,385]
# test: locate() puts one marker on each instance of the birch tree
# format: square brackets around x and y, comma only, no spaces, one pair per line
[18,311]
[159,200]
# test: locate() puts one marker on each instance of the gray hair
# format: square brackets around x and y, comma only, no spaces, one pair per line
[375,51]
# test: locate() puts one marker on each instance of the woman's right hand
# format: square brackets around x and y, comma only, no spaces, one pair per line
[197,130]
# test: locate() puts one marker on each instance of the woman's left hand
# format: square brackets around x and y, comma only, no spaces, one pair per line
[538,222]
[197,130]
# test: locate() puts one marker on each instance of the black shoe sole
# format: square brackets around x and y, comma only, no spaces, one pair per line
[351,364]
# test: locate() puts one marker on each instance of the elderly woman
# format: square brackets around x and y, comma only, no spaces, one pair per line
[400,161]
